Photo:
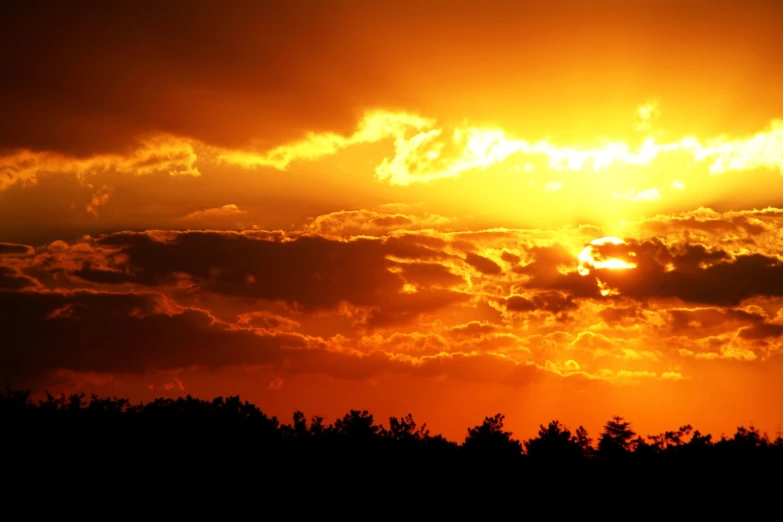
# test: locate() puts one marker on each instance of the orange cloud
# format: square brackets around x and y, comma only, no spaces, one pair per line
[219,212]
[374,126]
[373,223]
[162,153]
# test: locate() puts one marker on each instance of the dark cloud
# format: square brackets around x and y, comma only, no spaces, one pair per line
[98,275]
[696,275]
[11,249]
[120,333]
[268,321]
[473,329]
[430,274]
[549,301]
[518,303]
[409,306]
[312,272]
[619,314]
[743,224]
[44,333]
[483,264]
[762,331]
[554,302]
[417,246]
[544,272]
[690,272]
[307,272]
[510,258]
[11,278]
[702,322]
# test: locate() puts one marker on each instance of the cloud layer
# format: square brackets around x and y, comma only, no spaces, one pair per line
[412,301]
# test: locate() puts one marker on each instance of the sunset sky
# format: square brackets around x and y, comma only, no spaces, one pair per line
[551,209]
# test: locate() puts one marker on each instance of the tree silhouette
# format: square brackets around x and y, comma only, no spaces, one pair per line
[356,430]
[749,438]
[584,441]
[490,439]
[230,437]
[298,429]
[617,438]
[556,445]
[406,430]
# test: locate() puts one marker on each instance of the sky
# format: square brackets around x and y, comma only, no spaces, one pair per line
[555,210]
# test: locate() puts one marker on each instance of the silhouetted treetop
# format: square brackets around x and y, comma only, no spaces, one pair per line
[490,438]
[555,442]
[179,429]
[617,438]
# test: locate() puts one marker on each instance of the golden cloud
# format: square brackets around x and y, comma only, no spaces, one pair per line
[218,212]
[163,153]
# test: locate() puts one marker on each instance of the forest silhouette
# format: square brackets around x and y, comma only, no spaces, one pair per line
[226,437]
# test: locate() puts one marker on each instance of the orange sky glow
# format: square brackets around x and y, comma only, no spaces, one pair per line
[554,210]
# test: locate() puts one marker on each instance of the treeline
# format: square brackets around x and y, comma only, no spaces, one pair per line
[106,447]
[189,421]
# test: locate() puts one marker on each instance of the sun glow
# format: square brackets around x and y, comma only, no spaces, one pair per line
[590,257]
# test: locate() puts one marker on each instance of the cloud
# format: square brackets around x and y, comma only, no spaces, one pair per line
[548,301]
[614,315]
[423,152]
[389,279]
[373,223]
[12,278]
[121,332]
[118,333]
[100,198]
[436,154]
[762,331]
[375,126]
[415,344]
[11,249]
[383,272]
[735,230]
[228,210]
[356,307]
[690,272]
[65,97]
[473,329]
[483,264]
[268,321]
[429,274]
[705,322]
[162,153]
[103,333]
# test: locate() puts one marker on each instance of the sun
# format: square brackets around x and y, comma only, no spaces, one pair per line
[591,258]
